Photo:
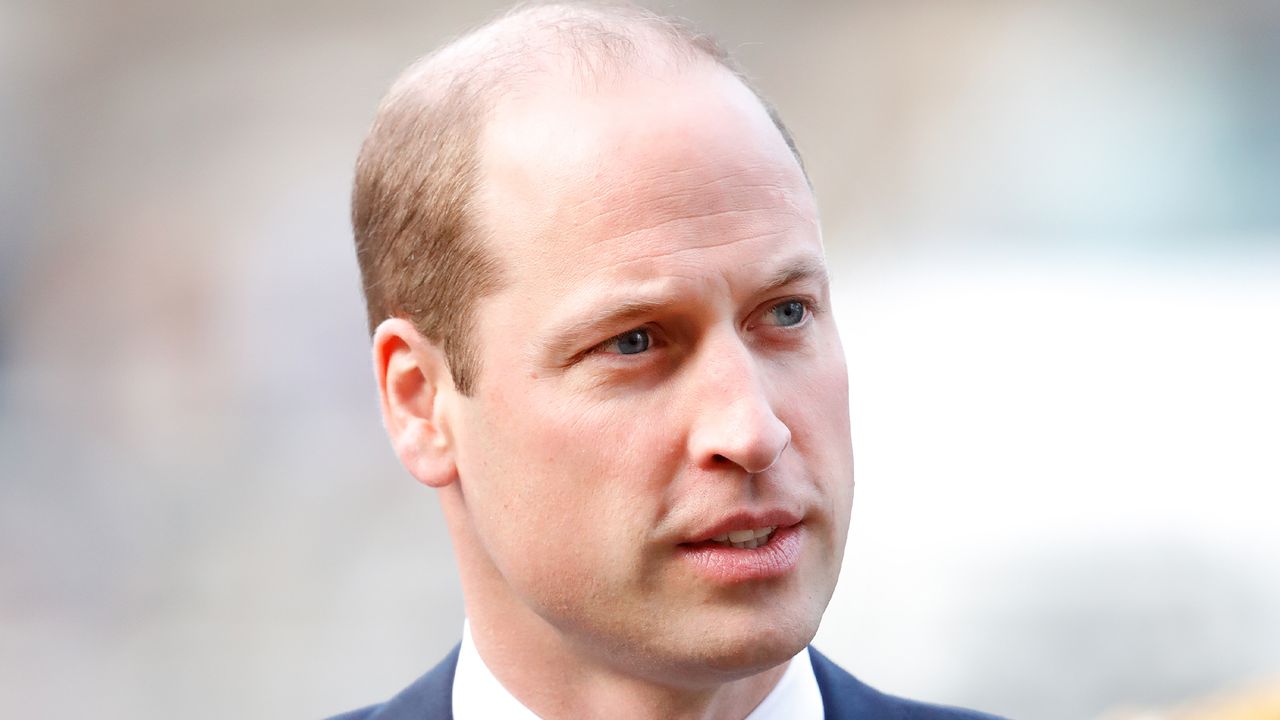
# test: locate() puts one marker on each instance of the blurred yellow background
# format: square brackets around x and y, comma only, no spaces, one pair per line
[1054,230]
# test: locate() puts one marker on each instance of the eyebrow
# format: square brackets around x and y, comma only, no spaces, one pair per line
[565,341]
[805,269]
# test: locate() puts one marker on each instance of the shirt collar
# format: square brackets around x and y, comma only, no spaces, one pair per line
[477,694]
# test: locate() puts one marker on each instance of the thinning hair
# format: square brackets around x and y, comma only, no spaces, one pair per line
[422,249]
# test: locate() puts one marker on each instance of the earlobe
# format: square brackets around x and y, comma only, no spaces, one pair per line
[415,385]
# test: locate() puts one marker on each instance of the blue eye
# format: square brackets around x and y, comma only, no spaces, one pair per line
[630,342]
[788,313]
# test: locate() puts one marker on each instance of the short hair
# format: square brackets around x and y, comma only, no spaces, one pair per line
[421,247]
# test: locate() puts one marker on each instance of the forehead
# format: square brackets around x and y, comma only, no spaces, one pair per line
[652,177]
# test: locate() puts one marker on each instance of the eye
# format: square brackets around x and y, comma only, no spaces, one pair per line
[630,342]
[787,313]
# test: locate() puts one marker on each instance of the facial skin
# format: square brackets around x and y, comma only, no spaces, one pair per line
[661,362]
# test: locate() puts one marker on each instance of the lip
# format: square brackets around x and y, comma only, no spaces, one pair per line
[730,565]
[743,520]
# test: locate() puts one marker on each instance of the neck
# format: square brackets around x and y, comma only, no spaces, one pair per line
[555,677]
[563,683]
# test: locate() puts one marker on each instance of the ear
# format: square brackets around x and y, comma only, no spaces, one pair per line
[416,389]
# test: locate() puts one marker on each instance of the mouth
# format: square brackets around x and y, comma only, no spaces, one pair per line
[745,539]
[741,540]
[746,554]
[744,530]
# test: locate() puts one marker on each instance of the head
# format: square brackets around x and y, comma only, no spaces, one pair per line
[611,342]
[421,251]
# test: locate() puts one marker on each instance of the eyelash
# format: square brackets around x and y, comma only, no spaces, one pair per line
[811,308]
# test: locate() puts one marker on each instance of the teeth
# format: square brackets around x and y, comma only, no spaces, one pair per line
[746,539]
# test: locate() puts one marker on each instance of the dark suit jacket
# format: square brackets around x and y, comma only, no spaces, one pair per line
[844,697]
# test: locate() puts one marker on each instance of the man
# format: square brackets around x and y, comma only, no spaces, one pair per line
[602,332]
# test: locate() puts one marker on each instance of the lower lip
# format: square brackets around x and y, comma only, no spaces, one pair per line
[728,564]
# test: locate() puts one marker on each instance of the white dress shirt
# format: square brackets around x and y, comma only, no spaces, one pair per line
[477,694]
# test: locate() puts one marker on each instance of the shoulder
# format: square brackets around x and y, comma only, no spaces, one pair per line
[430,697]
[844,696]
[361,714]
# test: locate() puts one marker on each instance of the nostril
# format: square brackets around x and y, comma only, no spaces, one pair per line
[719,459]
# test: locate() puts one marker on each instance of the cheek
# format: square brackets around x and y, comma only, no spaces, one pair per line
[830,389]
[562,490]
[817,412]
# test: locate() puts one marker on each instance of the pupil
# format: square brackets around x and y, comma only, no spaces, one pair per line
[789,313]
[632,342]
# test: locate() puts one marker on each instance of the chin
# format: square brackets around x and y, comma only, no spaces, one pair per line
[744,646]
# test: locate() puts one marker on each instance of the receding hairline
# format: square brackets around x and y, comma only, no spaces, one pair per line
[607,34]
[590,43]
[423,245]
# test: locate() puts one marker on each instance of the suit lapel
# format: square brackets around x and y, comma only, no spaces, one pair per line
[844,697]
[430,697]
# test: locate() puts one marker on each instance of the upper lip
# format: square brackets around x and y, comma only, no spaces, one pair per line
[744,520]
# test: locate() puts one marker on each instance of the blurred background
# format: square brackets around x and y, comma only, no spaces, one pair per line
[1054,230]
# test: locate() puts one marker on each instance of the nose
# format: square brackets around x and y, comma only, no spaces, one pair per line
[734,419]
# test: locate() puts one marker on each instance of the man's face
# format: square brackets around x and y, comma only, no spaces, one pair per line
[661,369]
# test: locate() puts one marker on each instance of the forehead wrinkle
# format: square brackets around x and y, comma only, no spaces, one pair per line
[680,200]
[639,224]
[651,171]
[647,259]
[690,281]
[699,230]
[657,228]
[696,233]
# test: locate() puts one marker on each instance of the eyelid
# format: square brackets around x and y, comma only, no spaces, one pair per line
[600,347]
[812,306]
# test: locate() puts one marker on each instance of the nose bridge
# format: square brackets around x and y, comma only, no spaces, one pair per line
[735,420]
